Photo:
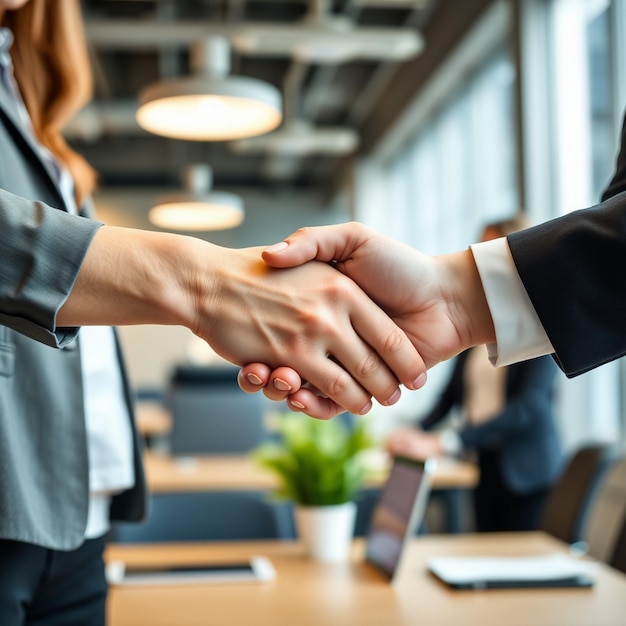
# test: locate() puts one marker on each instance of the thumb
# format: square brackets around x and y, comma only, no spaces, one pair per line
[322,243]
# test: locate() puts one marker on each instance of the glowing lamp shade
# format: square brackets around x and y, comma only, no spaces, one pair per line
[204,108]
[218,211]
[197,207]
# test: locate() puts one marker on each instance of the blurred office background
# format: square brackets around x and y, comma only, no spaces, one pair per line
[421,118]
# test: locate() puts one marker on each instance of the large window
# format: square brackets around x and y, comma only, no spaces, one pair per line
[569,63]
[457,166]
[601,96]
[455,169]
[459,170]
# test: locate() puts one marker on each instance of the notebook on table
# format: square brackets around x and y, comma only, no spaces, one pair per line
[549,570]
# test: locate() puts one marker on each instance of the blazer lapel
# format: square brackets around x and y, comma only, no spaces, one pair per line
[8,110]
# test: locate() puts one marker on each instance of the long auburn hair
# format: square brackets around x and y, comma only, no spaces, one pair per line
[53,71]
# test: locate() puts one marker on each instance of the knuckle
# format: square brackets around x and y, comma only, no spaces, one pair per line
[368,365]
[394,341]
[339,287]
[337,384]
[321,323]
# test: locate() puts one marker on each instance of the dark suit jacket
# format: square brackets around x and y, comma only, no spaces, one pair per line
[525,432]
[574,270]
[43,447]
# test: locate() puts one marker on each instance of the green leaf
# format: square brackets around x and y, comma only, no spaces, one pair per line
[317,462]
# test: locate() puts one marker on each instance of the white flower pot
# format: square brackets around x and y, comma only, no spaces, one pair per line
[326,531]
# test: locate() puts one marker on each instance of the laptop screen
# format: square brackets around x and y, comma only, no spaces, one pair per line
[398,512]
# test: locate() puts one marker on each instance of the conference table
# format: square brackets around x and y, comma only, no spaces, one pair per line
[310,593]
[210,472]
[168,474]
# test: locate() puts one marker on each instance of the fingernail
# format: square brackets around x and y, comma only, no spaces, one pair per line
[282,385]
[295,404]
[254,379]
[366,409]
[393,398]
[420,381]
[277,247]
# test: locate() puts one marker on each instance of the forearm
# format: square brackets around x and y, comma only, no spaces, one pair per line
[132,276]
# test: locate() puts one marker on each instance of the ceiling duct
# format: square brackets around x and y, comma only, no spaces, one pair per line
[300,138]
[325,39]
[331,40]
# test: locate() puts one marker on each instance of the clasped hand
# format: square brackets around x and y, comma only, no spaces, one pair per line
[314,320]
[438,302]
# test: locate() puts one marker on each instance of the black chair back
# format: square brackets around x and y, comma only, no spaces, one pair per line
[571,498]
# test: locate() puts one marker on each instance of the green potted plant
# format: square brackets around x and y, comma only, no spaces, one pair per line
[320,469]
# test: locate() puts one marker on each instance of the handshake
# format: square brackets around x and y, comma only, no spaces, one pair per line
[386,315]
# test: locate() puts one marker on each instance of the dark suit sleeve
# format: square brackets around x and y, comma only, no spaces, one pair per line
[574,271]
[530,387]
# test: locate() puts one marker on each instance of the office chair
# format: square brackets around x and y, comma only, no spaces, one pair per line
[210,413]
[570,499]
[618,558]
[210,516]
[605,532]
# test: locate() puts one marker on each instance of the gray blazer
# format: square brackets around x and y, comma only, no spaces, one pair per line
[43,448]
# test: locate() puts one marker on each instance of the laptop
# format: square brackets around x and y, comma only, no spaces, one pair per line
[398,512]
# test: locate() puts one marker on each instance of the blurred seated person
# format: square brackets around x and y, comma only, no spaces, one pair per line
[507,419]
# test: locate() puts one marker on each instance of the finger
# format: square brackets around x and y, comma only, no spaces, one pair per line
[337,384]
[386,354]
[325,243]
[253,377]
[278,384]
[356,372]
[282,382]
[307,401]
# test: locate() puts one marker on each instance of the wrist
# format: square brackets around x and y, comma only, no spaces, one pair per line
[130,276]
[468,303]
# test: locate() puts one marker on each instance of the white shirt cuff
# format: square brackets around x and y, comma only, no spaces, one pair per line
[519,333]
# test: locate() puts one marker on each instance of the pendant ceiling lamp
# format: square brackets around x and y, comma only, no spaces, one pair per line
[210,105]
[197,208]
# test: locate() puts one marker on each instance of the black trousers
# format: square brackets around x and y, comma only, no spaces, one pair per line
[42,587]
[498,508]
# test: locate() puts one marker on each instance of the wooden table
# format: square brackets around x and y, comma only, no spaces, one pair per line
[166,474]
[152,419]
[306,593]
